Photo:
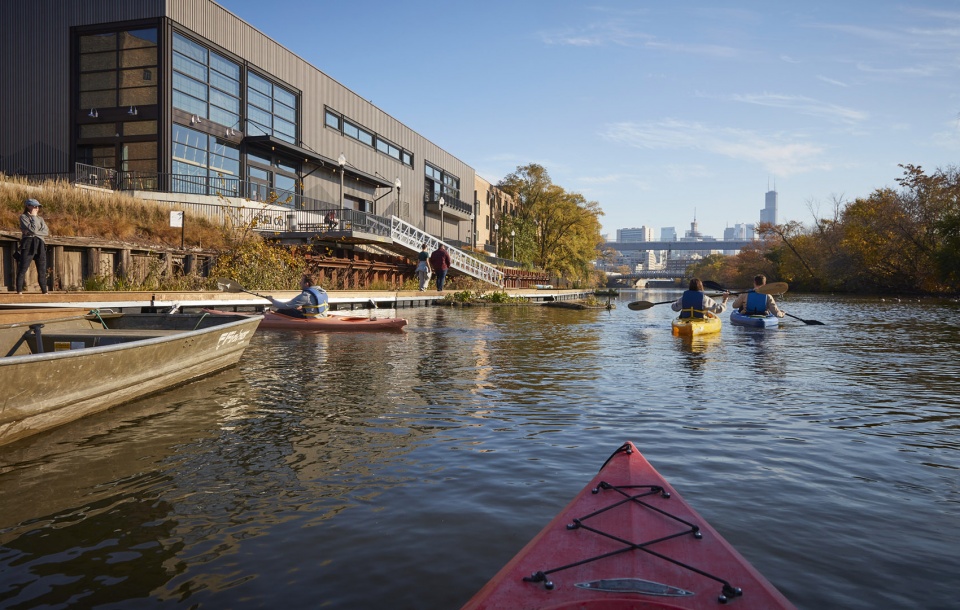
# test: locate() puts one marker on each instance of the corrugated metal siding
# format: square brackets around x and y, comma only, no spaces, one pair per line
[215,23]
[35,76]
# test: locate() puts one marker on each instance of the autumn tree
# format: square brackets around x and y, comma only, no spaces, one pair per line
[553,229]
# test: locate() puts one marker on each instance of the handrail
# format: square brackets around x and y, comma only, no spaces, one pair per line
[413,238]
[281,212]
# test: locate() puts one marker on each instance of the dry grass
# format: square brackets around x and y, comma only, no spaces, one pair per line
[74,212]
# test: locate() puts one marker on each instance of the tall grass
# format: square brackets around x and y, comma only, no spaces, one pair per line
[74,212]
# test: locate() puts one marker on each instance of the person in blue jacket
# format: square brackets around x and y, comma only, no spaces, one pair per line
[755,304]
[693,303]
[311,303]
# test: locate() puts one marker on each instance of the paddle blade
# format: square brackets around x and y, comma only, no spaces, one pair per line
[814,322]
[640,305]
[774,288]
[713,285]
[228,285]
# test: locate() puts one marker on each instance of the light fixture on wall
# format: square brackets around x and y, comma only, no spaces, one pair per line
[93,113]
[195,119]
[133,111]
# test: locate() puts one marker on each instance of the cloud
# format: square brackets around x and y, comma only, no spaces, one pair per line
[778,154]
[595,35]
[615,33]
[802,105]
[832,81]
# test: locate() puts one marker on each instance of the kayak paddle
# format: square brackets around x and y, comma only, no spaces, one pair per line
[774,288]
[641,305]
[230,286]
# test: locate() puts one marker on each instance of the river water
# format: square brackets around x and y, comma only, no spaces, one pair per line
[402,470]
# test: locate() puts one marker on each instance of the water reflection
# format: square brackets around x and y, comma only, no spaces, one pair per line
[330,462]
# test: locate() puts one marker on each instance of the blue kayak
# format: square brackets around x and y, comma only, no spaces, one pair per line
[742,319]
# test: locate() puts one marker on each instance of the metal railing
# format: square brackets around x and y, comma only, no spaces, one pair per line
[298,214]
[413,238]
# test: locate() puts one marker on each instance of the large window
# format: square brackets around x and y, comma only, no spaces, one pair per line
[271,109]
[335,120]
[272,179]
[205,83]
[118,69]
[439,183]
[204,164]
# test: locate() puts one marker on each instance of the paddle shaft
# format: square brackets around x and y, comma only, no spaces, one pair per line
[641,305]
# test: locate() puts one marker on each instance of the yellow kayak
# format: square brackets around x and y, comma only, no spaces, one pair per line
[693,327]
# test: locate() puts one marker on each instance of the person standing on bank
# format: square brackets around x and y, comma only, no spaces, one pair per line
[755,304]
[423,267]
[33,247]
[440,261]
[310,303]
[693,303]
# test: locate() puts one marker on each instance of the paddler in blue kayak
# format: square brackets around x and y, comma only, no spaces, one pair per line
[754,303]
[311,303]
[693,303]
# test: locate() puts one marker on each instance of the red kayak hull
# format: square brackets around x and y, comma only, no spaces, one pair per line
[331,323]
[649,534]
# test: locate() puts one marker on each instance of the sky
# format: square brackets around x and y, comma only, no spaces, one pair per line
[662,112]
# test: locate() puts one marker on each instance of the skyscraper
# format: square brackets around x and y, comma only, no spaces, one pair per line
[769,211]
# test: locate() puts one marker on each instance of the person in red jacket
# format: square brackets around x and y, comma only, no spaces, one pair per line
[440,261]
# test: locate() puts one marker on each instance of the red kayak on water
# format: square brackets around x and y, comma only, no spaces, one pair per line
[330,323]
[628,540]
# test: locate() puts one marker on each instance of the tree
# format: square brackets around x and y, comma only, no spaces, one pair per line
[554,229]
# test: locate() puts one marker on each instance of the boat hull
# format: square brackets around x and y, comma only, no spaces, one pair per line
[694,327]
[78,368]
[740,319]
[628,530]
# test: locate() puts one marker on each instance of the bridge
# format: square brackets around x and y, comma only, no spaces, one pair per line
[713,244]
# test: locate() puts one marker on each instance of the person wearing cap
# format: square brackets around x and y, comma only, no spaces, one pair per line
[33,247]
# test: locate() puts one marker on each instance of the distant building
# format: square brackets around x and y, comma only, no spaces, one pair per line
[739,231]
[634,235]
[769,211]
[668,234]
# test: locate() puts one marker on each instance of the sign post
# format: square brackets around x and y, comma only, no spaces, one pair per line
[176,220]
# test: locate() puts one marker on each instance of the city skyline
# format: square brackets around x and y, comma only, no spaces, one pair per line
[654,111]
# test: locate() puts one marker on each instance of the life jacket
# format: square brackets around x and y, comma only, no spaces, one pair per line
[756,304]
[319,307]
[691,304]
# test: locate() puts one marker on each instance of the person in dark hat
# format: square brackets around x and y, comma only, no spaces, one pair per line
[33,247]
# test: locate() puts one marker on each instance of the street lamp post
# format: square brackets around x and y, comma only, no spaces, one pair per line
[513,242]
[441,217]
[398,212]
[341,160]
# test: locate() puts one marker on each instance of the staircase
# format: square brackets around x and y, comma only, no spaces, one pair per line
[410,239]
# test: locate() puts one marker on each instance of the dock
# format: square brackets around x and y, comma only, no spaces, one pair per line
[154,301]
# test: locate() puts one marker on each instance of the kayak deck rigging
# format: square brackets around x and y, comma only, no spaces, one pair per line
[630,499]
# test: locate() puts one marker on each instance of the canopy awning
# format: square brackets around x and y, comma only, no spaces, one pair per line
[293,151]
